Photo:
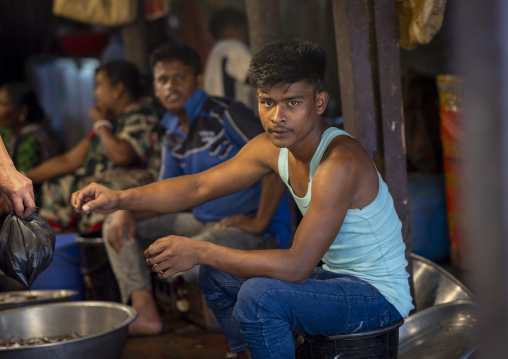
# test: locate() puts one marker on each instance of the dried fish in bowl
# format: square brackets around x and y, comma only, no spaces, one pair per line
[15,342]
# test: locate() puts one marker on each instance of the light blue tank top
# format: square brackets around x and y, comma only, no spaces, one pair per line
[369,244]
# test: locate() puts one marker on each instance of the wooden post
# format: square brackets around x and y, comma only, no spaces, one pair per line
[366,35]
[387,72]
[264,22]
[356,86]
[134,39]
[481,37]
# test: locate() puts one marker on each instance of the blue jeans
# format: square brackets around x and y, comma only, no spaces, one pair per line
[260,314]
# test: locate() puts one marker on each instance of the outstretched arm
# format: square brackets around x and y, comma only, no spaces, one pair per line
[313,237]
[344,179]
[15,189]
[179,193]
[60,165]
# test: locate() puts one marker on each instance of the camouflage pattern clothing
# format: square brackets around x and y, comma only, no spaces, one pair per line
[140,127]
[28,147]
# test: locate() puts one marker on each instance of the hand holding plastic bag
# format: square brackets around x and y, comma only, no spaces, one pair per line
[26,247]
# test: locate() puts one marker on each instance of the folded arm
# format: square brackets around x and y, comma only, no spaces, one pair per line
[272,190]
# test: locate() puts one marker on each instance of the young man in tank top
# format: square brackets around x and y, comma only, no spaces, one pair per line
[349,221]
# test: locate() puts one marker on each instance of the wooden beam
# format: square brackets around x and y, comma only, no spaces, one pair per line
[366,35]
[356,86]
[387,71]
[134,39]
[481,37]
[264,22]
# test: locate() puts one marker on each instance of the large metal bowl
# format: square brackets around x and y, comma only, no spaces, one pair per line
[102,328]
[433,285]
[25,298]
[444,331]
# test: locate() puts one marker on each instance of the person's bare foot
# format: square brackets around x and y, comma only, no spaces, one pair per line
[148,321]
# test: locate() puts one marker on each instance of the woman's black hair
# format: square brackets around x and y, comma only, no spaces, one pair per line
[21,93]
[183,53]
[288,62]
[127,73]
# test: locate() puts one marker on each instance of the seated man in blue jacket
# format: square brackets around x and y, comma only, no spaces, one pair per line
[201,132]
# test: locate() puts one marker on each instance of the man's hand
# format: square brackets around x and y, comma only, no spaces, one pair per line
[95,197]
[171,255]
[247,223]
[122,227]
[17,191]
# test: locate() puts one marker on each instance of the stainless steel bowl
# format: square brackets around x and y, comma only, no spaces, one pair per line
[102,328]
[433,285]
[24,298]
[444,331]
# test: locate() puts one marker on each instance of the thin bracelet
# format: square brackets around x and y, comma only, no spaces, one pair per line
[101,123]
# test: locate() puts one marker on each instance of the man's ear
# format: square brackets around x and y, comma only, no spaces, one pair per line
[200,81]
[321,101]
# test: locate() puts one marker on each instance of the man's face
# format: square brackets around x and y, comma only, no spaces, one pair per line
[174,83]
[106,94]
[289,112]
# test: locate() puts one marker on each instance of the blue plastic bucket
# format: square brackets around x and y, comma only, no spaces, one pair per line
[429,220]
[64,271]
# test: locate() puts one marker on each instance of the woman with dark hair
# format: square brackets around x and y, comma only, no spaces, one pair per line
[122,150]
[26,142]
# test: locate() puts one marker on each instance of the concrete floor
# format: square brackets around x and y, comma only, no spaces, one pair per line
[183,340]
[189,335]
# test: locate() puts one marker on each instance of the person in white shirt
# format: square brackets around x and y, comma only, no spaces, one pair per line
[227,64]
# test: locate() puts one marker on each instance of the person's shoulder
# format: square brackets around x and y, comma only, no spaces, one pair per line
[345,153]
[33,129]
[227,45]
[262,147]
[232,106]
[144,108]
[344,145]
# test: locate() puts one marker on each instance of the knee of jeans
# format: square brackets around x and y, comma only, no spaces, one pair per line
[254,296]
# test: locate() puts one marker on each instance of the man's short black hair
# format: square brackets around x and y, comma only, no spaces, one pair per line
[225,17]
[288,62]
[183,53]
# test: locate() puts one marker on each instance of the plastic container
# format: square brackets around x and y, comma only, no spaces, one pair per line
[452,136]
[64,271]
[429,220]
[381,343]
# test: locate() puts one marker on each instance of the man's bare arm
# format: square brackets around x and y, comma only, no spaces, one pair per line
[60,165]
[314,236]
[184,192]
[15,189]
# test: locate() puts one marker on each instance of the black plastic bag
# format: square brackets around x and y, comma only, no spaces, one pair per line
[26,247]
